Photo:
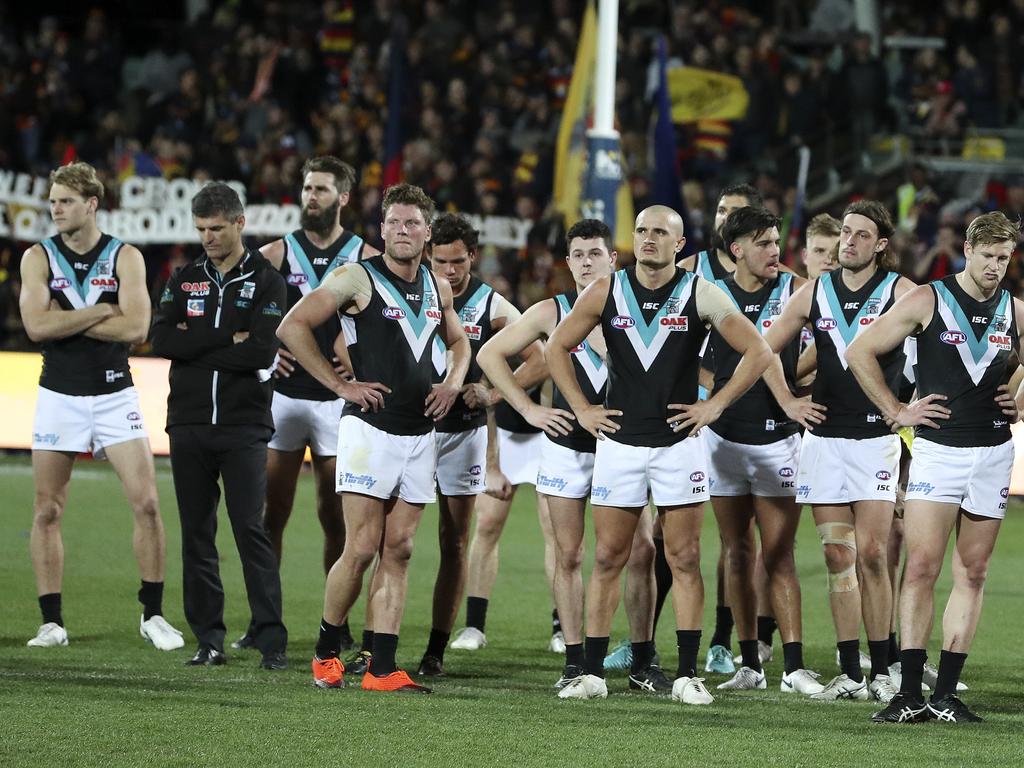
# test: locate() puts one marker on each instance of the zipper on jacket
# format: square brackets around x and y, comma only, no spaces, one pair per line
[216,276]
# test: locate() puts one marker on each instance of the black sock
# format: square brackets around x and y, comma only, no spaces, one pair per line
[879,650]
[556,624]
[792,657]
[346,633]
[49,606]
[766,626]
[435,645]
[849,659]
[595,649]
[662,579]
[574,656]
[384,647]
[476,612]
[951,664]
[894,649]
[723,626]
[367,643]
[912,668]
[151,595]
[643,653]
[748,649]
[329,643]
[688,642]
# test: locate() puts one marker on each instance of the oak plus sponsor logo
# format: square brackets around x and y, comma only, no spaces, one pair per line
[434,316]
[622,322]
[825,324]
[953,337]
[199,288]
[473,331]
[1000,341]
[104,283]
[675,322]
[393,313]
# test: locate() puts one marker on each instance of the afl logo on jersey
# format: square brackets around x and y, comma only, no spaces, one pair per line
[622,322]
[60,283]
[953,337]
[825,324]
[393,313]
[696,477]
[786,472]
[297,279]
[883,474]
[675,323]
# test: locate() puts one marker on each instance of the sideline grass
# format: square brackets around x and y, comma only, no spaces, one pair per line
[110,699]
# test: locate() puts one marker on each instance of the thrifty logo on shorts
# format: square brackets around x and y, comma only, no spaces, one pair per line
[600,492]
[803,490]
[50,438]
[925,488]
[368,480]
[543,481]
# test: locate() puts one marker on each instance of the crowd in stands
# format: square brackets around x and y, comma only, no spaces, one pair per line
[247,90]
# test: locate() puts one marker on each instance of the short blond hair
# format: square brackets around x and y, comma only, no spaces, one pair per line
[823,224]
[991,228]
[80,177]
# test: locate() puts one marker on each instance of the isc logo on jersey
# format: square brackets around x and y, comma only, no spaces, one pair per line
[675,323]
[1001,341]
[622,322]
[393,313]
[298,279]
[953,337]
[825,324]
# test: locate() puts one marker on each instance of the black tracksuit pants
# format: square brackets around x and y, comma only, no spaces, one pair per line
[200,455]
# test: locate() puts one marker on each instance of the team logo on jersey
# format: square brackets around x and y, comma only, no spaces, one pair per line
[393,313]
[774,307]
[194,308]
[197,289]
[786,472]
[675,322]
[104,283]
[883,474]
[103,267]
[999,323]
[953,337]
[473,331]
[1000,341]
[248,289]
[696,477]
[469,314]
[297,279]
[60,283]
[825,324]
[871,306]
[672,306]
[622,322]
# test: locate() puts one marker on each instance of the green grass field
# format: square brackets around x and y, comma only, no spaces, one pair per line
[110,699]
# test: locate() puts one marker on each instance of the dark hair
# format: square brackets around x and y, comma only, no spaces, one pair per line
[878,213]
[217,199]
[748,221]
[449,227]
[587,229]
[754,198]
[408,194]
[344,174]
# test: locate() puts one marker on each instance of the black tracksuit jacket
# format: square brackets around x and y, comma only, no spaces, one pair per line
[213,380]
